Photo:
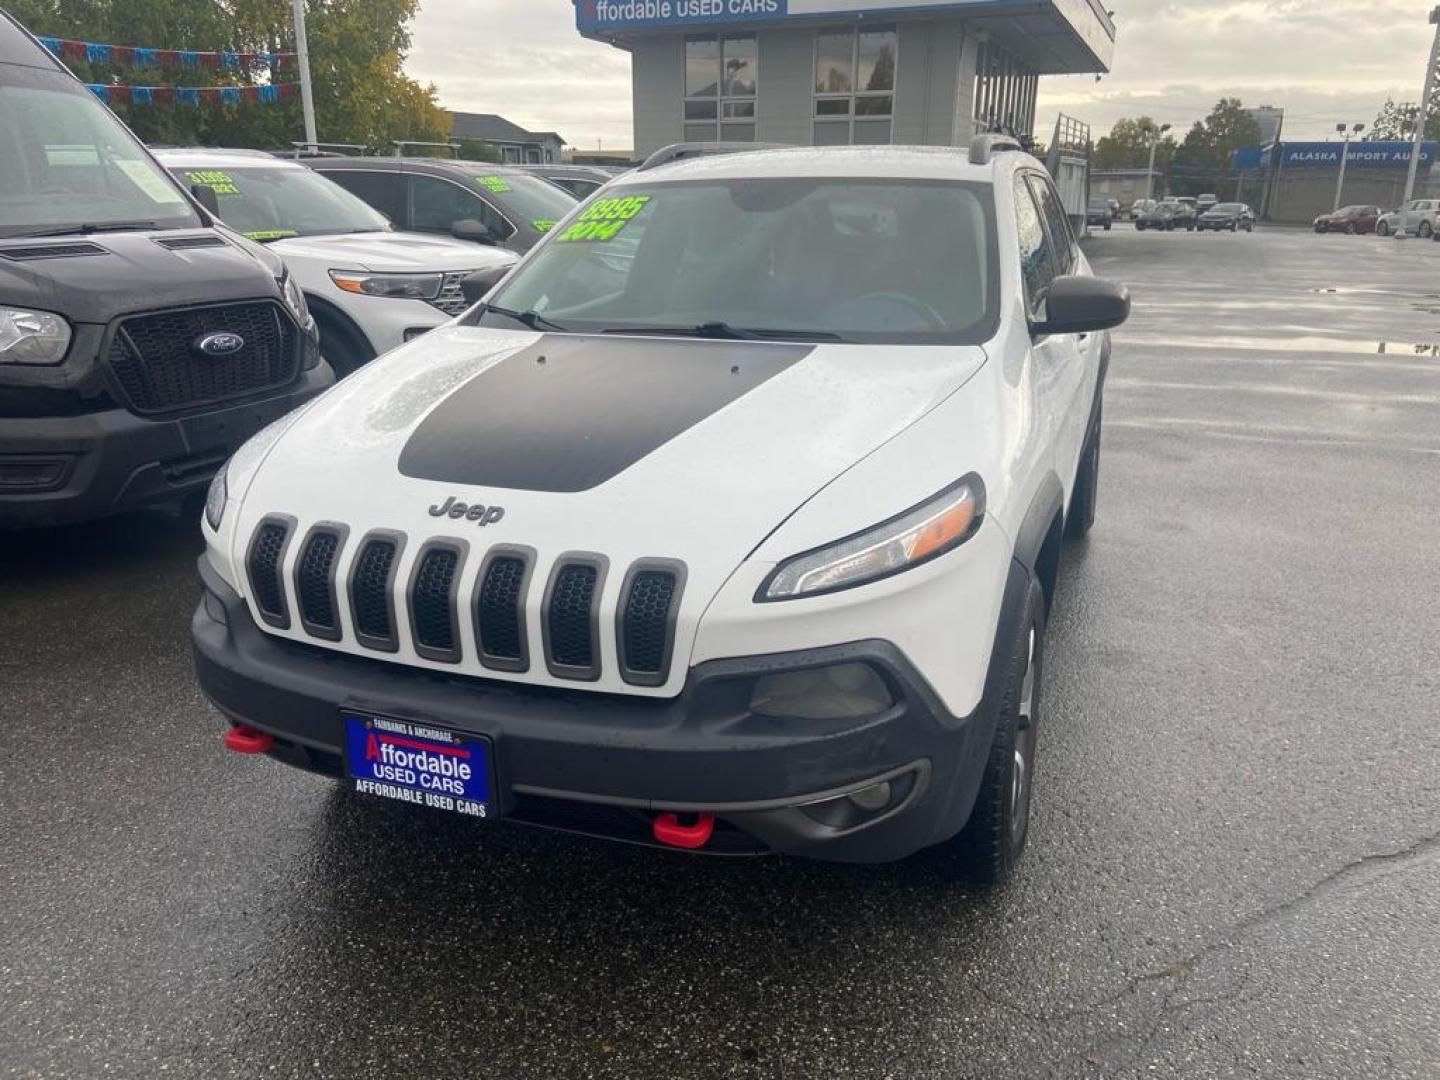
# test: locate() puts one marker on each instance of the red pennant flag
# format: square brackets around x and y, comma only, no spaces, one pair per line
[168,57]
[122,54]
[72,50]
[250,93]
[164,94]
[209,60]
[116,94]
[210,94]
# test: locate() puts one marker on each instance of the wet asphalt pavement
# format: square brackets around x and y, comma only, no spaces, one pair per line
[1234,866]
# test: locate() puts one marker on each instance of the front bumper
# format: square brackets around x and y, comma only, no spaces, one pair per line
[59,469]
[605,764]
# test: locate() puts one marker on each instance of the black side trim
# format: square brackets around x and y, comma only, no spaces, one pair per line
[518,658]
[550,632]
[329,631]
[648,676]
[265,568]
[431,650]
[1048,501]
[390,641]
[572,411]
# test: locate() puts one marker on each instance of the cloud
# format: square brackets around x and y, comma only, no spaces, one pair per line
[1320,61]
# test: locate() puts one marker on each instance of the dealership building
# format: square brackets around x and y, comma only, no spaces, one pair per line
[828,72]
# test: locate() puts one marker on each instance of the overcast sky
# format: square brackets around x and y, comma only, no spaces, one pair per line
[1322,61]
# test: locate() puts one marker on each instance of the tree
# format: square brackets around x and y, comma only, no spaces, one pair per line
[356,50]
[1203,160]
[1128,145]
[1398,121]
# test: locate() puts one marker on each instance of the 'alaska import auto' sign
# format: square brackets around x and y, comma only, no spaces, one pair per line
[1374,153]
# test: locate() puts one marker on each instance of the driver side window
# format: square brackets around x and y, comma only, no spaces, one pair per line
[1037,268]
[435,205]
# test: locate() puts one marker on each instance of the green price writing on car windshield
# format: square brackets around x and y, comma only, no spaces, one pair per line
[497,184]
[543,225]
[605,219]
[270,234]
[220,182]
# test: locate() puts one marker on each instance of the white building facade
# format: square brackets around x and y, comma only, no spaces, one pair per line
[826,72]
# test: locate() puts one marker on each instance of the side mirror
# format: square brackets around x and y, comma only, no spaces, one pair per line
[470,229]
[1080,305]
[475,286]
[205,195]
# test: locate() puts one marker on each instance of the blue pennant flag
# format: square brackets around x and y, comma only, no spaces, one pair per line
[187,95]
[144,57]
[96,54]
[51,43]
[264,59]
[230,95]
[98,89]
[269,94]
[141,95]
[230,59]
[189,57]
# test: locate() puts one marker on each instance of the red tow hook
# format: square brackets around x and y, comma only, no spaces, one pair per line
[244,739]
[668,829]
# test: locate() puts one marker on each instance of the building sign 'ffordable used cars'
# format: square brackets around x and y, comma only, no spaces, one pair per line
[1389,154]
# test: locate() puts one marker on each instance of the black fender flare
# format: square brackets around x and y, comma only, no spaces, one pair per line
[1049,501]
[359,343]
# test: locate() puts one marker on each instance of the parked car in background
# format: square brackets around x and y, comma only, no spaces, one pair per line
[1167,216]
[1231,216]
[582,181]
[1205,202]
[141,342]
[1360,218]
[369,287]
[1098,214]
[1422,218]
[1187,200]
[499,205]
[1141,206]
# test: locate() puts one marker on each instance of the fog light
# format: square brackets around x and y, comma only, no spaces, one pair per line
[839,692]
[873,798]
[19,473]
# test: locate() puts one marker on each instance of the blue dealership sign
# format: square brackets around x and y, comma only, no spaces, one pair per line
[636,14]
[1372,154]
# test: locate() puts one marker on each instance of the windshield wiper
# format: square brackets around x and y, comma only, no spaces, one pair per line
[98,227]
[533,319]
[724,331]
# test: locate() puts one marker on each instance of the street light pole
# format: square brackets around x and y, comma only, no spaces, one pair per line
[1419,134]
[302,54]
[1150,171]
[1344,153]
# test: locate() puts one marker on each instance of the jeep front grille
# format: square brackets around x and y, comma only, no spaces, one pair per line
[263,563]
[158,369]
[447,594]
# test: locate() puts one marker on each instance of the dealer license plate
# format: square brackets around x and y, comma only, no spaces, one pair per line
[420,764]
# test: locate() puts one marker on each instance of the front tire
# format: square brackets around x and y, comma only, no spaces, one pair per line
[1424,231]
[1349,229]
[987,850]
[1382,229]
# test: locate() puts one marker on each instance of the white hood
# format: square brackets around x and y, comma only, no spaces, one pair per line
[627,447]
[391,252]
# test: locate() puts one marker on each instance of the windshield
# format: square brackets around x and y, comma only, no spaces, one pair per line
[1099,204]
[1227,208]
[855,260]
[1169,206]
[270,202]
[66,163]
[528,199]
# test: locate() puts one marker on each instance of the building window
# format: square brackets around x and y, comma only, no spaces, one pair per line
[721,83]
[1004,92]
[854,86]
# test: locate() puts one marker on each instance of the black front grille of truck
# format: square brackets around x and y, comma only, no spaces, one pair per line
[264,565]
[571,605]
[432,602]
[645,629]
[159,367]
[315,582]
[500,611]
[371,580]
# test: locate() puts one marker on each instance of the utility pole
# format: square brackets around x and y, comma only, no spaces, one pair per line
[1419,134]
[302,53]
[1150,171]
[1344,153]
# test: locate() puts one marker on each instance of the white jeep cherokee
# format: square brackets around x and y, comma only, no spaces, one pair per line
[727,522]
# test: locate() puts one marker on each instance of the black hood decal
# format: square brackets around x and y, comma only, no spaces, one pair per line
[570,412]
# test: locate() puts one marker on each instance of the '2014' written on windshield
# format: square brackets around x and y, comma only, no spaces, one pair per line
[605,219]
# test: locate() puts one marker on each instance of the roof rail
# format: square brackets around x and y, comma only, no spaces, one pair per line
[322,149]
[681,151]
[982,146]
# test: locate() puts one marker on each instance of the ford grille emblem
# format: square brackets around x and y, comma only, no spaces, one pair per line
[220,343]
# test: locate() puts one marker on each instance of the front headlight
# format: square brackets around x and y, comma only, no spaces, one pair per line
[404,286]
[295,299]
[32,337]
[217,497]
[924,532]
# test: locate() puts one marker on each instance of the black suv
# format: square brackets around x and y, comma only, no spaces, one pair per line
[1169,214]
[140,342]
[472,200]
